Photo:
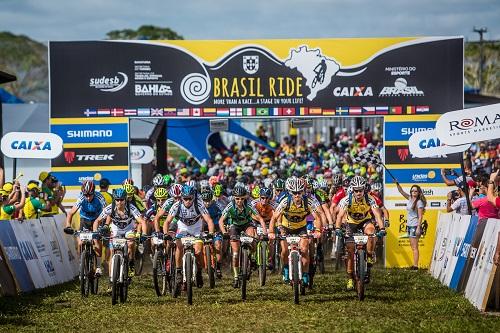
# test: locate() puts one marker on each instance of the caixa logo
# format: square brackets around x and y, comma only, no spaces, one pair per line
[31,145]
[109,84]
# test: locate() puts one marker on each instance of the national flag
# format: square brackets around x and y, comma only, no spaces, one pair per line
[396,110]
[315,111]
[249,111]
[288,112]
[90,112]
[277,111]
[368,110]
[328,112]
[410,109]
[222,112]
[183,112]
[156,112]
[382,110]
[355,110]
[209,112]
[169,112]
[130,112]
[196,112]
[143,112]
[262,112]
[342,110]
[303,111]
[236,112]
[422,108]
[103,112]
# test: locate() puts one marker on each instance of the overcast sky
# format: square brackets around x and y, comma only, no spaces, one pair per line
[234,19]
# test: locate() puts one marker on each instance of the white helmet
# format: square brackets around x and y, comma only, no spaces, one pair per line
[158,180]
[377,187]
[357,182]
[294,184]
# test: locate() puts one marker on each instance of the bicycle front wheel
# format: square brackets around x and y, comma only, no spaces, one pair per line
[157,272]
[244,273]
[115,279]
[263,262]
[210,267]
[188,265]
[361,273]
[295,276]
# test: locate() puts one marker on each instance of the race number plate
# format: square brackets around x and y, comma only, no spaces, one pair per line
[259,230]
[119,242]
[157,241]
[188,240]
[293,240]
[360,239]
[86,236]
[245,239]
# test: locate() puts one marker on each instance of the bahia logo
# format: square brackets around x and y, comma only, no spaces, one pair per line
[352,91]
[109,84]
[401,88]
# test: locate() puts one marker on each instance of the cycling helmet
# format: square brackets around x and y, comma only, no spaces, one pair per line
[377,187]
[88,187]
[323,184]
[346,181]
[161,193]
[191,183]
[294,184]
[129,189]
[279,184]
[188,191]
[357,182]
[175,191]
[309,182]
[207,196]
[239,191]
[337,180]
[128,181]
[218,190]
[256,191]
[315,184]
[266,192]
[119,193]
[158,180]
[167,180]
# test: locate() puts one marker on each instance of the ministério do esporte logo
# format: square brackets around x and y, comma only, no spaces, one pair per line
[109,83]
[401,88]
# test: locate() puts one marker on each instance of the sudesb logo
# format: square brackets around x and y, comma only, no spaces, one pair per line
[403,153]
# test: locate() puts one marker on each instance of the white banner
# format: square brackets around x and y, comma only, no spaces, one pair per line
[31,145]
[70,255]
[469,125]
[438,253]
[30,253]
[460,224]
[60,265]
[141,154]
[427,144]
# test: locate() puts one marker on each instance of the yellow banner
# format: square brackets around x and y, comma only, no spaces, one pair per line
[398,252]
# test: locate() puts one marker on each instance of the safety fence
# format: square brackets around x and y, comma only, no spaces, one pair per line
[463,255]
[35,254]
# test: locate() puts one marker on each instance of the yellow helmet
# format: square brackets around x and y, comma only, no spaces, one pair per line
[264,171]
[129,189]
[43,175]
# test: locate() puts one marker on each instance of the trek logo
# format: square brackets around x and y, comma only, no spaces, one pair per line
[31,145]
[401,88]
[69,156]
[89,134]
[352,91]
[403,153]
[109,84]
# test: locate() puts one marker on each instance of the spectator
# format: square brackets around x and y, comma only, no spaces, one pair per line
[33,206]
[484,208]
[492,195]
[103,188]
[457,202]
[416,209]
[52,192]
[8,210]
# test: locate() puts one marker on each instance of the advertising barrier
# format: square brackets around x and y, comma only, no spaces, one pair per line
[463,255]
[36,253]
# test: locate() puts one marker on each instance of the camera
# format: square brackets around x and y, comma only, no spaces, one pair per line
[449,172]
[455,195]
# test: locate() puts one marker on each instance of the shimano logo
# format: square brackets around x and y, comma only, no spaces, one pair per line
[109,84]
[90,134]
[352,91]
[31,145]
[401,88]
[412,130]
[102,157]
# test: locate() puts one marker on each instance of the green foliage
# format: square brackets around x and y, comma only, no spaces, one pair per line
[397,300]
[146,32]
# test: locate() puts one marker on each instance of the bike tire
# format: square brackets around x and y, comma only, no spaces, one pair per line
[188,262]
[244,273]
[210,267]
[277,256]
[83,273]
[262,263]
[320,257]
[158,256]
[175,286]
[339,252]
[295,276]
[91,272]
[360,274]
[115,279]
[165,283]
[139,260]
[312,265]
[124,285]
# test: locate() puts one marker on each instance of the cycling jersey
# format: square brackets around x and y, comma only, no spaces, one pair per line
[238,217]
[152,211]
[107,197]
[321,196]
[358,212]
[129,216]
[215,212]
[188,215]
[377,199]
[90,210]
[341,193]
[150,198]
[294,216]
[137,201]
[32,207]
[266,211]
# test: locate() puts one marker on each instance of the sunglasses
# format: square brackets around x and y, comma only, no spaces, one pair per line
[358,191]
[161,200]
[239,199]
[296,193]
[188,199]
[88,195]
[119,200]
[278,190]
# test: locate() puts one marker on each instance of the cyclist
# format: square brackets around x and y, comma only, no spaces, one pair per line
[357,208]
[161,195]
[190,214]
[239,213]
[290,217]
[265,207]
[158,181]
[376,193]
[90,203]
[279,190]
[215,212]
[136,201]
[338,192]
[123,218]
[221,200]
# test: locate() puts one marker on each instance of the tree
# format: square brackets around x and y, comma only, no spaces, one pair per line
[146,32]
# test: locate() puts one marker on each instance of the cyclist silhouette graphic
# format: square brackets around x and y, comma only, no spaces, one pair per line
[320,71]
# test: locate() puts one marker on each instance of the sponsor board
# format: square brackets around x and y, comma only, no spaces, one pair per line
[91,133]
[141,154]
[400,254]
[402,155]
[31,145]
[426,144]
[469,125]
[73,178]
[416,176]
[402,131]
[256,74]
[75,157]
[463,253]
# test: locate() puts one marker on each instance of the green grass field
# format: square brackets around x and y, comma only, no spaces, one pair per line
[397,300]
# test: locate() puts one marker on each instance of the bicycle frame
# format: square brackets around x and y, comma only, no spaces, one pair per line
[188,244]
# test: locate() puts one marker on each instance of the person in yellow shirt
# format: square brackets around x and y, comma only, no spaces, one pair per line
[103,188]
[52,192]
[7,210]
[33,205]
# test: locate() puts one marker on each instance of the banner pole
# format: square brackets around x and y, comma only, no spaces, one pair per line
[464,180]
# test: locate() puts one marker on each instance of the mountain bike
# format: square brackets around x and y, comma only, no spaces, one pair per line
[189,267]
[246,242]
[89,282]
[120,279]
[262,254]
[360,262]
[295,265]
[339,252]
[139,257]
[210,259]
[162,274]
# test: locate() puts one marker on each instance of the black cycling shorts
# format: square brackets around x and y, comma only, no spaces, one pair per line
[236,230]
[86,224]
[299,231]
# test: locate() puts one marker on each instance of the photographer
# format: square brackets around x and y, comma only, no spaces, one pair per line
[457,202]
[446,173]
[53,192]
